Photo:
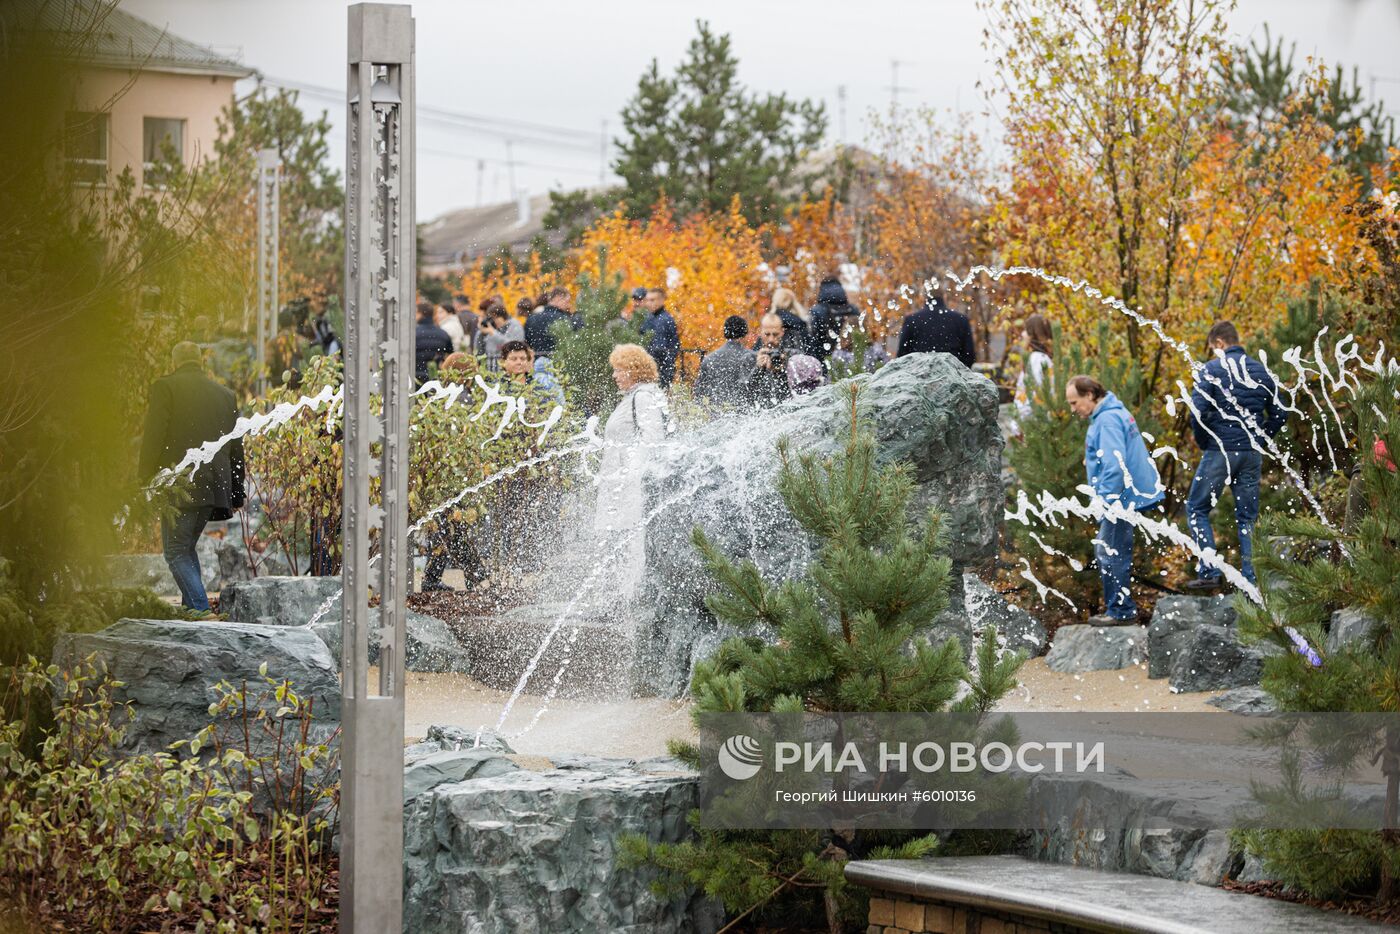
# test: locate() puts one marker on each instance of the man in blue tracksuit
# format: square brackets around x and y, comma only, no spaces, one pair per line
[1234,408]
[1121,473]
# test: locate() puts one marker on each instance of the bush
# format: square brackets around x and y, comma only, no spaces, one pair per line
[105,843]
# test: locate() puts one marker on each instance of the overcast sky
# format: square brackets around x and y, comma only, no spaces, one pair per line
[569,66]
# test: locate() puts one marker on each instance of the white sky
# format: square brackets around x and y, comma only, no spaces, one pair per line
[573,65]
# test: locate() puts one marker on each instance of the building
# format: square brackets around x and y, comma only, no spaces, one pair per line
[141,95]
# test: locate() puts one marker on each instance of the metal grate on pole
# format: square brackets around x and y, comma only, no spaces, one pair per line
[379,316]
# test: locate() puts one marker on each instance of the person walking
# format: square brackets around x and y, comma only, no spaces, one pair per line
[938,328]
[630,437]
[724,373]
[826,320]
[662,335]
[1234,408]
[431,344]
[1123,477]
[1038,340]
[559,306]
[183,411]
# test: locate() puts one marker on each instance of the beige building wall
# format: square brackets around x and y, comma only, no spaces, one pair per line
[196,99]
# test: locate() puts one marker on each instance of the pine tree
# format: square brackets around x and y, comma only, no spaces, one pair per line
[581,356]
[1358,677]
[849,639]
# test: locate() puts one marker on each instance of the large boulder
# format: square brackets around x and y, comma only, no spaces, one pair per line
[585,655]
[1019,630]
[1351,627]
[1246,701]
[295,601]
[1093,648]
[538,850]
[1213,659]
[927,411]
[1174,621]
[281,601]
[170,667]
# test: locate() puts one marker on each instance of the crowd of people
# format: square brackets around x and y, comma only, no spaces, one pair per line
[1234,411]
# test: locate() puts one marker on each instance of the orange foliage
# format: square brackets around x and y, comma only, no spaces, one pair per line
[511,281]
[815,238]
[710,264]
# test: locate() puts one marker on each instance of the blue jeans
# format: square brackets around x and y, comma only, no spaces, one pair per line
[1113,550]
[178,537]
[1240,471]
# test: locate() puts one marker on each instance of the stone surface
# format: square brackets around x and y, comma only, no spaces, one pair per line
[1021,631]
[1173,620]
[170,668]
[927,411]
[143,570]
[1246,701]
[425,773]
[1082,899]
[448,736]
[588,656]
[1350,627]
[431,647]
[537,851]
[281,601]
[1091,648]
[1213,660]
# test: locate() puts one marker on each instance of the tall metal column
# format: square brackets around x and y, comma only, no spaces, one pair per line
[269,162]
[379,312]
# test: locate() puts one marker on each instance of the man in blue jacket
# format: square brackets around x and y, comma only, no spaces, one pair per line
[663,338]
[1234,408]
[1122,474]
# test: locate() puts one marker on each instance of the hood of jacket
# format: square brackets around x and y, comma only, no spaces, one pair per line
[831,293]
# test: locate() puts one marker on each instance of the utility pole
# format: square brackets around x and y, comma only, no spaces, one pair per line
[269,161]
[480,179]
[895,88]
[603,155]
[510,165]
[841,109]
[380,259]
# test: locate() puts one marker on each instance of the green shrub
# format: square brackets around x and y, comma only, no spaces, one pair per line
[103,842]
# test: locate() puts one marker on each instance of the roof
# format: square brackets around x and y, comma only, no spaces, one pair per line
[99,34]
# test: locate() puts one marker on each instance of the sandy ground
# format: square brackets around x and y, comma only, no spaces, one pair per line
[639,728]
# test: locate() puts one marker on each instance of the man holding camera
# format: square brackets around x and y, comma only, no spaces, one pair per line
[768,384]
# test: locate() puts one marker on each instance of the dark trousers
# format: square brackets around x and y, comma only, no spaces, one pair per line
[178,536]
[452,548]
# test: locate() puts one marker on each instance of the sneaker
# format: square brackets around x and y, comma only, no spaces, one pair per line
[1203,585]
[1103,619]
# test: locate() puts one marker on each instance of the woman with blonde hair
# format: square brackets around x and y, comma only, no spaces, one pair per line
[633,430]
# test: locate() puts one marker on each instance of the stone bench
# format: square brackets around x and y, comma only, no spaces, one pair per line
[1010,895]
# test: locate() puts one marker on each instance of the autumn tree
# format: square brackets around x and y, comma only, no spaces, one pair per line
[699,138]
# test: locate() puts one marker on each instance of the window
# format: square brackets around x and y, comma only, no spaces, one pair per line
[85,146]
[162,146]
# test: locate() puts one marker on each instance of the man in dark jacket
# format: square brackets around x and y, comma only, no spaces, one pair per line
[724,373]
[431,344]
[184,410]
[827,315]
[558,306]
[936,327]
[768,384]
[1234,408]
[663,337]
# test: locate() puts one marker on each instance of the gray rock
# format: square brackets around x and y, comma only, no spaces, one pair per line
[538,851]
[1247,701]
[1352,628]
[1214,660]
[415,751]
[142,570]
[170,668]
[426,773]
[1022,631]
[291,601]
[457,737]
[431,644]
[1174,619]
[588,656]
[927,411]
[1093,648]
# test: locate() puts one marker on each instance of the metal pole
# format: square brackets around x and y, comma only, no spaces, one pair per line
[379,282]
[269,161]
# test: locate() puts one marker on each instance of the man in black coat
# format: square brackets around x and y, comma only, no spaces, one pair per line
[559,306]
[827,313]
[184,410]
[431,344]
[936,327]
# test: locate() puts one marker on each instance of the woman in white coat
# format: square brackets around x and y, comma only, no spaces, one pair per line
[633,430]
